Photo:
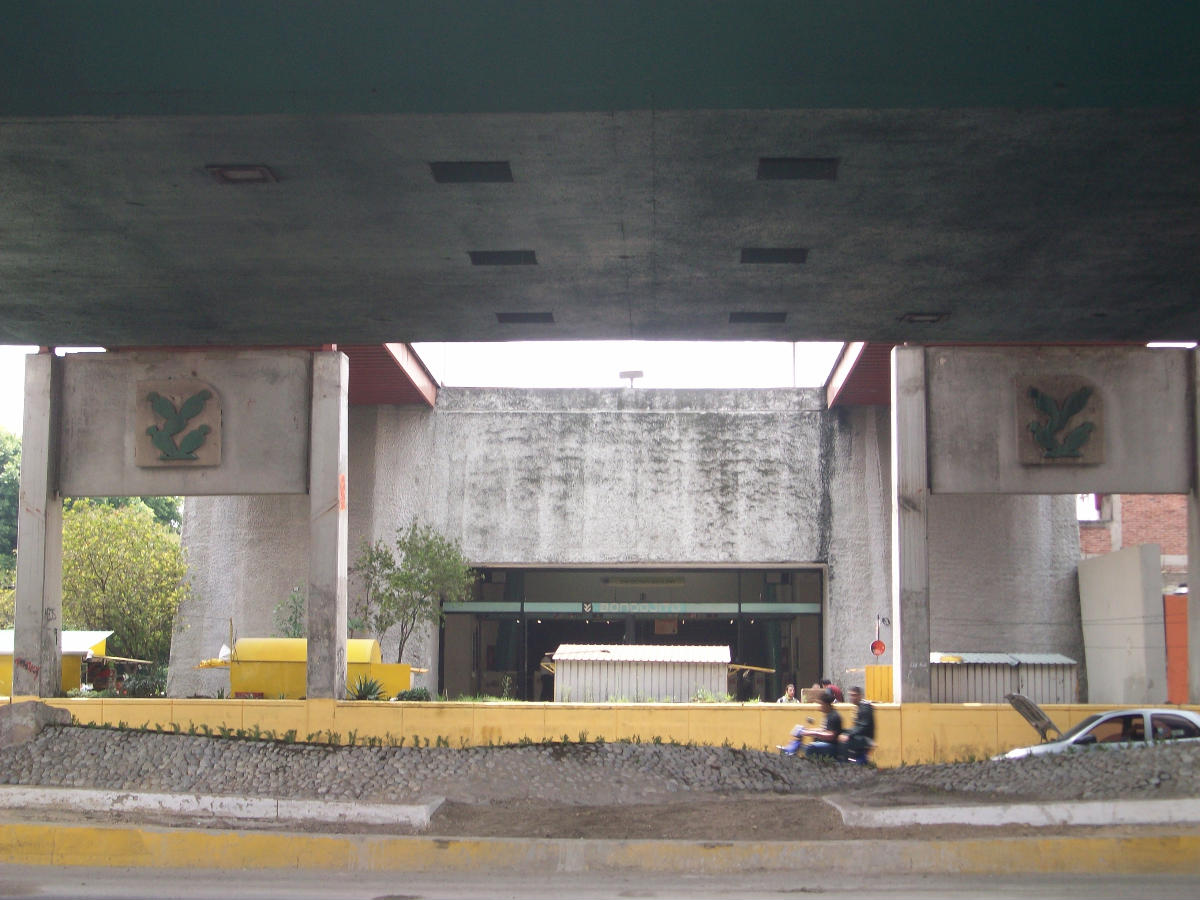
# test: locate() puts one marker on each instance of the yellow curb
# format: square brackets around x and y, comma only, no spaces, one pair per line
[84,845]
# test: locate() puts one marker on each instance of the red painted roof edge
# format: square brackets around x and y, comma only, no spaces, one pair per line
[414,370]
[841,371]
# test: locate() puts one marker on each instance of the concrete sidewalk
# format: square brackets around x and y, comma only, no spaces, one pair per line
[1171,844]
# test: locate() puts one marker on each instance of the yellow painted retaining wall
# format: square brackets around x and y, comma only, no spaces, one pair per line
[908,734]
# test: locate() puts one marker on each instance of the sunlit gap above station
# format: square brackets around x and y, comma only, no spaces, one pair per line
[637,364]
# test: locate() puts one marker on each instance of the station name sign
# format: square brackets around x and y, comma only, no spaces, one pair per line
[671,609]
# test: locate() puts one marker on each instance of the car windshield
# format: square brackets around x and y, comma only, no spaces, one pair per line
[1082,725]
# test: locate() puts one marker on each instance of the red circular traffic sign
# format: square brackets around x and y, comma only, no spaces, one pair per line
[877,647]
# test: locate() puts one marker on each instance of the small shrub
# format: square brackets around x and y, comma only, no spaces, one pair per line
[583,736]
[416,694]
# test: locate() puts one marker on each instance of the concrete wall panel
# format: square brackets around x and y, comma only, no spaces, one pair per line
[1120,597]
[264,401]
[973,420]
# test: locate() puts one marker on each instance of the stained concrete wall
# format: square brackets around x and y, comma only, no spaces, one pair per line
[631,477]
[1122,611]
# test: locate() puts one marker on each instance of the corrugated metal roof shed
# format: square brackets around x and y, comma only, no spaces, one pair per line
[1012,659]
[684,653]
[606,673]
[987,677]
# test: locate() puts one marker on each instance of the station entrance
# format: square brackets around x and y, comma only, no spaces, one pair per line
[770,619]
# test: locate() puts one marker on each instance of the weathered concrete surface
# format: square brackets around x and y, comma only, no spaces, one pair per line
[975,422]
[1121,606]
[245,555]
[37,602]
[22,722]
[627,478]
[264,399]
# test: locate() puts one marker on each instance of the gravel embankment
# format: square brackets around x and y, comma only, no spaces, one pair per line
[580,774]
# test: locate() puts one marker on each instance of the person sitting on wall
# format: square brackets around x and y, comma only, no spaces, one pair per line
[789,695]
[824,739]
[858,741]
[826,685]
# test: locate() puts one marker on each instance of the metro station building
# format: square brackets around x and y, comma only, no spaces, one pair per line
[999,203]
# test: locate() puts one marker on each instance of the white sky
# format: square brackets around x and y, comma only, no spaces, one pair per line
[666,364]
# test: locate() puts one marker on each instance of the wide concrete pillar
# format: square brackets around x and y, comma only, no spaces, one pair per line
[37,639]
[327,528]
[1193,545]
[910,533]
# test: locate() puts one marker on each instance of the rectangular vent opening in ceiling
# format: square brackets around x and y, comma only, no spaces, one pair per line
[525,318]
[774,255]
[798,168]
[471,172]
[757,318]
[502,257]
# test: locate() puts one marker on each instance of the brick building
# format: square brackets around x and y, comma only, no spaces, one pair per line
[1110,522]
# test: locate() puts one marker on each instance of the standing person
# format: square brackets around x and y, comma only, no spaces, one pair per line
[858,741]
[824,739]
[789,695]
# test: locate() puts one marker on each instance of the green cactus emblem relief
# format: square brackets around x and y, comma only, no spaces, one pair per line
[174,422]
[1046,433]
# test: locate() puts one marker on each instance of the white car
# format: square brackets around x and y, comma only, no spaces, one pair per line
[1121,728]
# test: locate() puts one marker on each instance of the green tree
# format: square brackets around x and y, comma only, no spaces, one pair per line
[8,607]
[10,489]
[167,511]
[122,571]
[406,585]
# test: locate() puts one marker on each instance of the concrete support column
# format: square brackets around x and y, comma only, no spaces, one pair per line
[1193,545]
[327,528]
[910,545]
[37,640]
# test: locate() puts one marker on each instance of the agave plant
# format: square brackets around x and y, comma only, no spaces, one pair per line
[366,688]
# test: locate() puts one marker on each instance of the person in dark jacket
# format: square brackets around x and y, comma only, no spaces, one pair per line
[860,738]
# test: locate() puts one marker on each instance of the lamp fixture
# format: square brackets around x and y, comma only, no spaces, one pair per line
[241,173]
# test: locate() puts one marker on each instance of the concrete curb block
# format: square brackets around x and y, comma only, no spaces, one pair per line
[416,815]
[182,848]
[1179,811]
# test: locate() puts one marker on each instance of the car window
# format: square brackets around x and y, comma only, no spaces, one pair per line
[1082,725]
[1167,727]
[1118,729]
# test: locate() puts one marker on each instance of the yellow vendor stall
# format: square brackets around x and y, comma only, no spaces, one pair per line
[77,648]
[276,668]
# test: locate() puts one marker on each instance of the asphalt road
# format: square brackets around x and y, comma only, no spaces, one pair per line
[46,883]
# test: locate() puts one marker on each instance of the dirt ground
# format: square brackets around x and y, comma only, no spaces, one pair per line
[711,818]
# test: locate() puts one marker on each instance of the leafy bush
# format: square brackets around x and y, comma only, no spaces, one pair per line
[291,614]
[419,693]
[149,681]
